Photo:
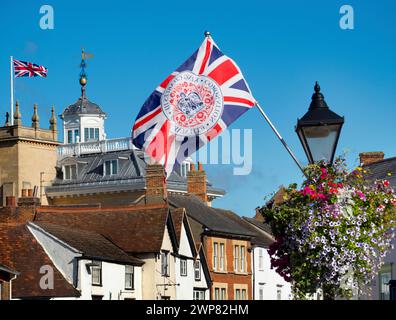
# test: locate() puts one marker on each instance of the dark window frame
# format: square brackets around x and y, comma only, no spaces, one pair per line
[165,270]
[100,284]
[183,260]
[133,277]
[197,269]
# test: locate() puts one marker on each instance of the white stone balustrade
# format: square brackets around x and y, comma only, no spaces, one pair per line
[103,146]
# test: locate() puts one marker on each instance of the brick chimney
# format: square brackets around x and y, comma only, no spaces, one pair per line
[11,201]
[155,184]
[196,182]
[367,158]
[28,199]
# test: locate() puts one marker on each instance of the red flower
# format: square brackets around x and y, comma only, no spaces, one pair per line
[386,183]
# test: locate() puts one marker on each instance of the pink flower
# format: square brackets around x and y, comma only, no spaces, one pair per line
[393,201]
[361,195]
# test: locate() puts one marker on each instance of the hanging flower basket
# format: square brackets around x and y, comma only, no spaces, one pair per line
[332,233]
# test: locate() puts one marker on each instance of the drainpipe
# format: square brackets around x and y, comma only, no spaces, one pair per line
[254,276]
[13,278]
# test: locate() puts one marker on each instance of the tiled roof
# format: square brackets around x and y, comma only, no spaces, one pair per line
[380,170]
[209,217]
[263,231]
[133,229]
[196,229]
[91,244]
[259,237]
[259,224]
[177,218]
[21,251]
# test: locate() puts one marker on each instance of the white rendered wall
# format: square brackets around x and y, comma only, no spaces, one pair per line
[268,278]
[66,260]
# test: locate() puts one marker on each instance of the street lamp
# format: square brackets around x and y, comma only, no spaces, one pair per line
[319,129]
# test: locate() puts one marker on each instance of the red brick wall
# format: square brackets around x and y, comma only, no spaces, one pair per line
[229,277]
[196,183]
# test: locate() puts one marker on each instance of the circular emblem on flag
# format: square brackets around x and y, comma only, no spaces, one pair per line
[192,103]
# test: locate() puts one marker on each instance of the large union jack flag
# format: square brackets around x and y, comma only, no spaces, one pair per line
[191,107]
[28,69]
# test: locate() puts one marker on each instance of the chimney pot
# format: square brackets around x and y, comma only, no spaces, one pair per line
[30,193]
[24,193]
[200,167]
[196,183]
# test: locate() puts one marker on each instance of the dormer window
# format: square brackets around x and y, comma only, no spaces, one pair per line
[73,135]
[70,172]
[110,168]
[91,134]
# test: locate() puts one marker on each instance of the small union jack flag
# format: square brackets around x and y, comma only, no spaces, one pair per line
[191,107]
[28,69]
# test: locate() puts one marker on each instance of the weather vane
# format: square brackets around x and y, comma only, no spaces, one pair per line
[83,66]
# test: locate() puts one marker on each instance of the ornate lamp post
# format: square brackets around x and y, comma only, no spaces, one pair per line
[319,129]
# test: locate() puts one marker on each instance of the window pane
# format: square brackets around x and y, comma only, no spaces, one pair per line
[97,274]
[73,172]
[217,294]
[236,257]
[86,134]
[215,249]
[237,294]
[67,172]
[76,134]
[69,136]
[223,294]
[183,267]
[261,259]
[164,263]
[385,277]
[242,258]
[243,294]
[221,256]
[107,168]
[114,167]
[261,293]
[197,270]
[279,294]
[128,277]
[96,134]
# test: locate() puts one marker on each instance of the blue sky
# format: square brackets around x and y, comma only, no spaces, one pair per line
[281,47]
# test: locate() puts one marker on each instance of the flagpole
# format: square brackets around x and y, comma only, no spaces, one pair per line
[12,90]
[280,137]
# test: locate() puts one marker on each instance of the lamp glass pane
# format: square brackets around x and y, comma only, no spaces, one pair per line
[321,141]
